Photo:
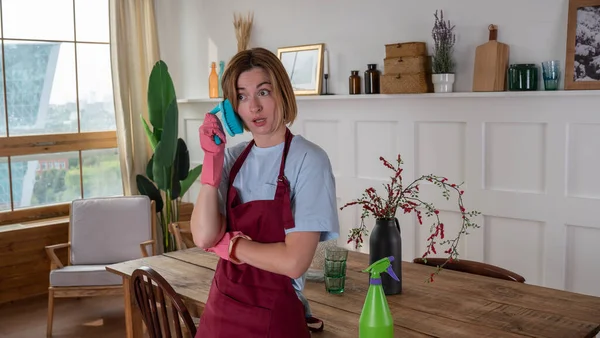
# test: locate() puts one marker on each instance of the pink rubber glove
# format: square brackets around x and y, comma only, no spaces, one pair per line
[214,154]
[226,246]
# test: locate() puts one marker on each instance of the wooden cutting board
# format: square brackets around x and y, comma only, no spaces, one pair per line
[491,63]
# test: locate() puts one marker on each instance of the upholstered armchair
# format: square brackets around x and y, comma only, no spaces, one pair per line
[102,231]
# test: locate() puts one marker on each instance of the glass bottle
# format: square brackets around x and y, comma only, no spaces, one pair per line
[221,69]
[354,82]
[372,79]
[213,82]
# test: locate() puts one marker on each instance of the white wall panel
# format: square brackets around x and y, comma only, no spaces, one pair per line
[522,254]
[582,160]
[515,157]
[582,268]
[374,139]
[440,149]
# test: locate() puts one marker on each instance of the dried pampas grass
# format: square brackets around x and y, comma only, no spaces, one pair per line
[243,28]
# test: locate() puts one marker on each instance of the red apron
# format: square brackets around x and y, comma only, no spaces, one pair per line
[245,301]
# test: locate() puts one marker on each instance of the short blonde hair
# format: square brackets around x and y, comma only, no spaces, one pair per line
[246,60]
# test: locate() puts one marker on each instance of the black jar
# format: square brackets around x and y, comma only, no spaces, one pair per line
[372,79]
[354,83]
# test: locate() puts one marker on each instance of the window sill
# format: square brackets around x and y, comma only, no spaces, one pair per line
[33,224]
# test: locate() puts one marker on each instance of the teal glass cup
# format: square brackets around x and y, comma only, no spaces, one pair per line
[335,269]
[551,74]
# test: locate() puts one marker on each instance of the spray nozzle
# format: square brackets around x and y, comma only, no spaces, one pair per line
[380,266]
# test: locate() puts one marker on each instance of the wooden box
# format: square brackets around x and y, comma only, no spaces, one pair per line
[405,65]
[416,83]
[405,49]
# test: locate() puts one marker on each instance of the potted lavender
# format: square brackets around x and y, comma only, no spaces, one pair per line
[443,65]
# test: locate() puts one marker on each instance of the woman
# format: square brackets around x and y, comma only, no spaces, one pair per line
[263,207]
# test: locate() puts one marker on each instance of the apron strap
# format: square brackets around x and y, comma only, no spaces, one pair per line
[283,186]
[286,148]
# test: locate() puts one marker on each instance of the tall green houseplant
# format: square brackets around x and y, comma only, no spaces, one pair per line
[168,175]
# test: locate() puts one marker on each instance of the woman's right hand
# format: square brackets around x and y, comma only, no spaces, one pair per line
[214,154]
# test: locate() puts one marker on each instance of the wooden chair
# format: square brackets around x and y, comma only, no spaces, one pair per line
[151,292]
[102,231]
[477,268]
[183,235]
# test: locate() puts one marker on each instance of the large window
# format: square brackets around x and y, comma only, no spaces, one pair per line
[57,120]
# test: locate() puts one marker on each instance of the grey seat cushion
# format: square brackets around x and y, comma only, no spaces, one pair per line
[109,230]
[84,275]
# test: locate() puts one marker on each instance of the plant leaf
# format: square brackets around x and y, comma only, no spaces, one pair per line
[175,186]
[161,93]
[149,168]
[166,149]
[146,187]
[190,179]
[182,160]
[157,135]
[151,137]
[159,176]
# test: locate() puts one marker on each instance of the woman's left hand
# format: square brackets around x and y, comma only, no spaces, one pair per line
[225,248]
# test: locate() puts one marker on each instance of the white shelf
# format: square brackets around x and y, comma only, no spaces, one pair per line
[506,94]
[204,100]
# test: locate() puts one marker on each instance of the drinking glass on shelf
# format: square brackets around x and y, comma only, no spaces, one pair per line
[551,74]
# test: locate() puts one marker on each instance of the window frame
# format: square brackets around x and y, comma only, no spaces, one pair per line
[20,145]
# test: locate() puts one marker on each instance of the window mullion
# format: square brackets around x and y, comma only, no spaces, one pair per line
[76,73]
[81,174]
[10,185]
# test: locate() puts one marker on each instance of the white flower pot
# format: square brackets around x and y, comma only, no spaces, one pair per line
[442,83]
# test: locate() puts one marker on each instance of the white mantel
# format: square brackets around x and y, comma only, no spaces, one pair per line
[529,160]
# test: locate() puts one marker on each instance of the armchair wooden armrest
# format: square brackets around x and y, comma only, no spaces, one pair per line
[146,243]
[54,261]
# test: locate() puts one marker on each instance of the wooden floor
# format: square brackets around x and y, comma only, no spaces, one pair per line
[84,317]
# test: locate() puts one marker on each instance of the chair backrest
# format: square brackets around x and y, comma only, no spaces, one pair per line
[150,289]
[109,230]
[183,235]
[476,268]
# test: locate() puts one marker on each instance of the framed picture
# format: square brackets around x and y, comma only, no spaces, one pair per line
[304,65]
[582,62]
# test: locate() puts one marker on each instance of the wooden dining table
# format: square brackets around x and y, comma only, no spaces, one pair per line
[456,304]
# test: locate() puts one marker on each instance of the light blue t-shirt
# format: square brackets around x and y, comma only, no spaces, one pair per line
[313,193]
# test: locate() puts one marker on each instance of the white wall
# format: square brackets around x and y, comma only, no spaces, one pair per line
[196,32]
[529,161]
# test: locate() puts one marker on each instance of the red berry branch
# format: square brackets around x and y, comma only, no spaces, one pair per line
[407,199]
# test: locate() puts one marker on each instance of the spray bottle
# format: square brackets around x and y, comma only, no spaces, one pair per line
[376,319]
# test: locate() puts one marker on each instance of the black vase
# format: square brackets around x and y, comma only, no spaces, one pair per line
[385,241]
